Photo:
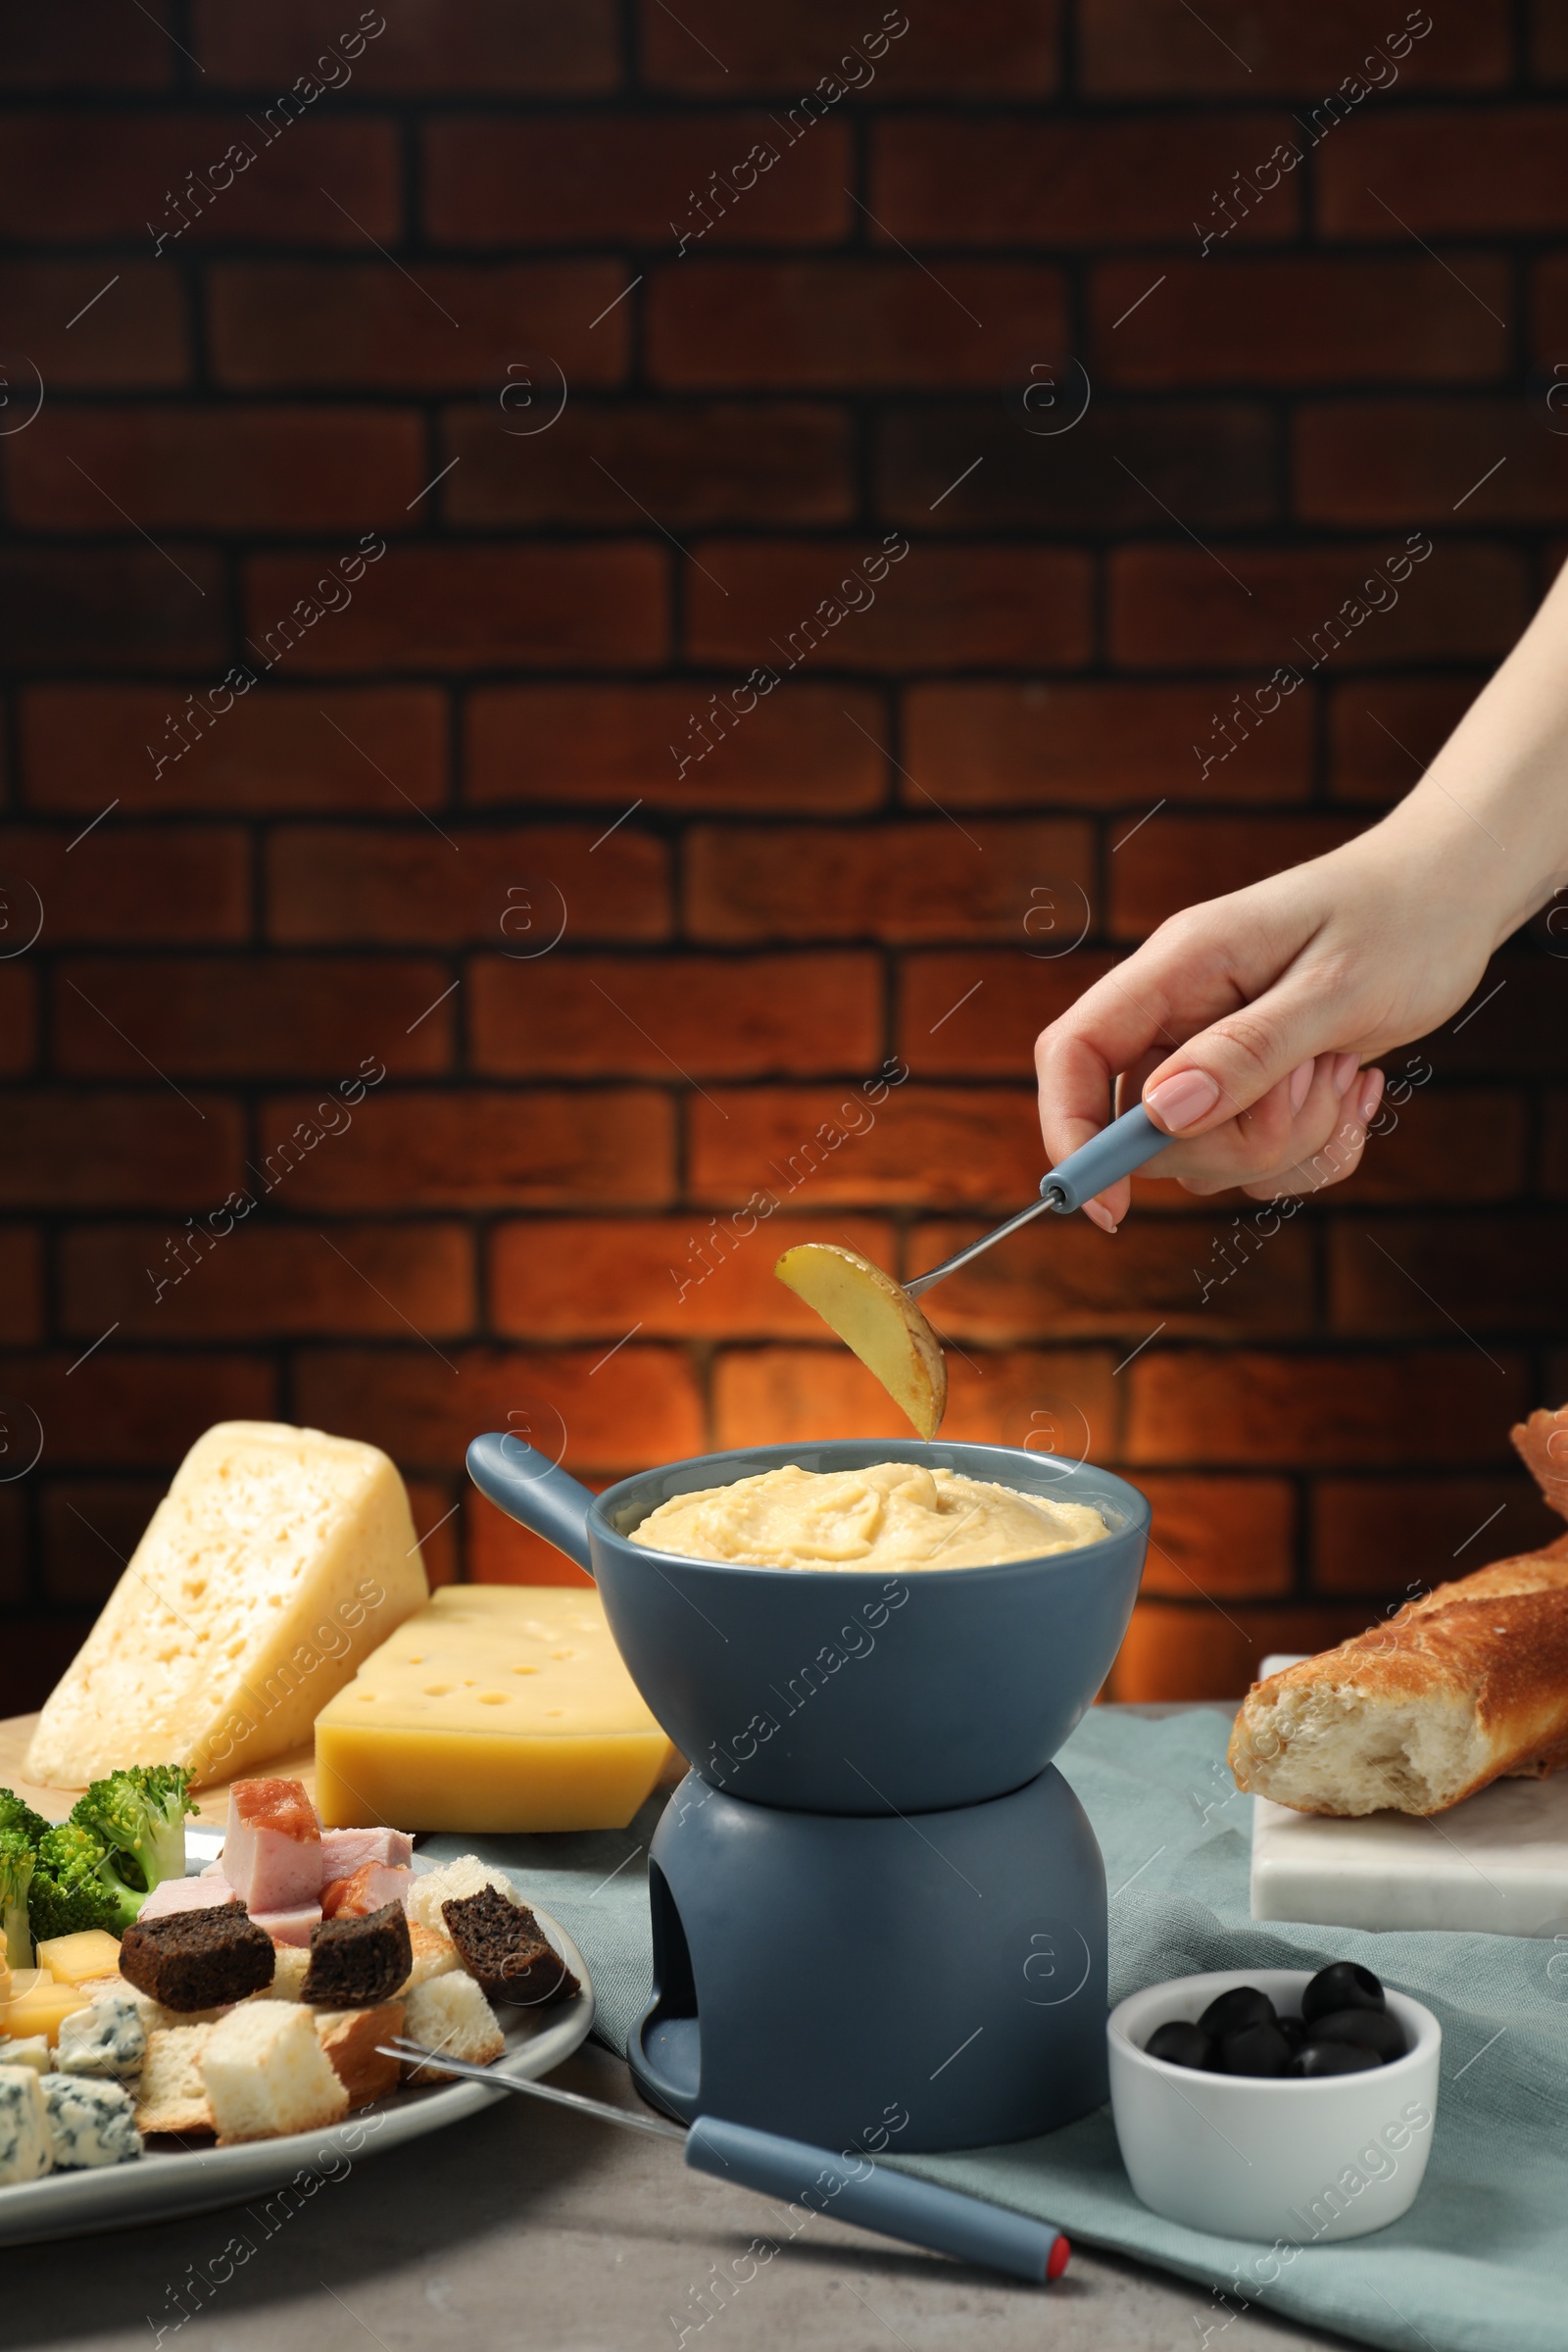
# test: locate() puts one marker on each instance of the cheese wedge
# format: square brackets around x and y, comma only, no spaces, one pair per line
[277,1561]
[497,1707]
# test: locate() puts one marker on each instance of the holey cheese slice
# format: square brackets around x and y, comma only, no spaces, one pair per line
[497,1707]
[277,1561]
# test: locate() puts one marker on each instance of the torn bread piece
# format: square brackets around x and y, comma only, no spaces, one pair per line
[1466,1686]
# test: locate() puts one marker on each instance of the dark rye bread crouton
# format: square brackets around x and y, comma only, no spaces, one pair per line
[197,1959]
[501,1945]
[358,1959]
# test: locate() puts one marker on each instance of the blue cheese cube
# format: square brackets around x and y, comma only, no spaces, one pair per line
[25,2147]
[108,2040]
[89,2122]
[30,2050]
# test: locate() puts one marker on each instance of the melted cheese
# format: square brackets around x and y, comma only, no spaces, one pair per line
[497,1707]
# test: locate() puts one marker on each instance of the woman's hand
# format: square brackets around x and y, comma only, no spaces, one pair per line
[1243,1022]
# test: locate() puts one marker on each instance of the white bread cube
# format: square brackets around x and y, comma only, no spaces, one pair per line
[266,2074]
[450,2013]
[172,2096]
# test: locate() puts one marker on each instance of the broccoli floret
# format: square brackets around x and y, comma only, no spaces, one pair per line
[15,1815]
[139,1814]
[16,1876]
[71,1890]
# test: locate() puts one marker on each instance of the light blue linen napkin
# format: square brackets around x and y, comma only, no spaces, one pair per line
[1480,2264]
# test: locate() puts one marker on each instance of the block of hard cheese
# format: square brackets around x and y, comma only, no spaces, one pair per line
[277,1561]
[497,1707]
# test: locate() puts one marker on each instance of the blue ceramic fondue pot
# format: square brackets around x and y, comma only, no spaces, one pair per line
[843,1691]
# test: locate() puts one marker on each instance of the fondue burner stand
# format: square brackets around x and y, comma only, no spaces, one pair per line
[935,1976]
[878,1910]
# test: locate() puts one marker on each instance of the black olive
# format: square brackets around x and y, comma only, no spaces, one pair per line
[1363,2029]
[1331,2058]
[1294,2029]
[1182,2045]
[1343,1984]
[1257,2049]
[1243,2005]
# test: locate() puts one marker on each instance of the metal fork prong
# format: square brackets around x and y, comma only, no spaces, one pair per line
[400,2047]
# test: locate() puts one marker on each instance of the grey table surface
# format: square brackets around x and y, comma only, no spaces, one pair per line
[534,2227]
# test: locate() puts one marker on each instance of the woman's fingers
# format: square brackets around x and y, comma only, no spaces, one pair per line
[1339,1152]
[1274,1134]
[1200,979]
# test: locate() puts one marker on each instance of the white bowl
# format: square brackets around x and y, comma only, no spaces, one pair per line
[1295,2163]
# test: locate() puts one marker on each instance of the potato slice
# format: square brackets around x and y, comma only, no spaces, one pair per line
[878,1319]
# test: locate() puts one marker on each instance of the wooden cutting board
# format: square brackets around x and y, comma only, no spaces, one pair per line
[212,1804]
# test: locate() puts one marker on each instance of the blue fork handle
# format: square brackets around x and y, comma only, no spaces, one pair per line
[872,2197]
[1126,1145]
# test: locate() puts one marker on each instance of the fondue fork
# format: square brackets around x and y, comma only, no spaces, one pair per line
[893,2204]
[879,1318]
[1126,1145]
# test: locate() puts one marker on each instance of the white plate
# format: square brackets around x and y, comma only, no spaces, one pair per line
[160,2187]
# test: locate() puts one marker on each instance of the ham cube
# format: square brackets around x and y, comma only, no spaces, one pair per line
[290,1927]
[272,1846]
[343,1850]
[185,1894]
[371,1886]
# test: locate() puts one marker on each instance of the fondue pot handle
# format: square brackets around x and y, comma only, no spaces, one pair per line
[534,1491]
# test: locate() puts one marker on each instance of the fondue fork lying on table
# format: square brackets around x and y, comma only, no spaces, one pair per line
[867,2195]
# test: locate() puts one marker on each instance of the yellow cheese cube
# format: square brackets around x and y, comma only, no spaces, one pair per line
[73,1959]
[40,2009]
[496,1707]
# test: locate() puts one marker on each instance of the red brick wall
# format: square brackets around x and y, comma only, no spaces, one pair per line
[863,864]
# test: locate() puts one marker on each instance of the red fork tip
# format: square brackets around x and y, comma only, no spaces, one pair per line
[1060,2256]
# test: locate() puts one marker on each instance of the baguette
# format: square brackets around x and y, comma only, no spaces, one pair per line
[1466,1686]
